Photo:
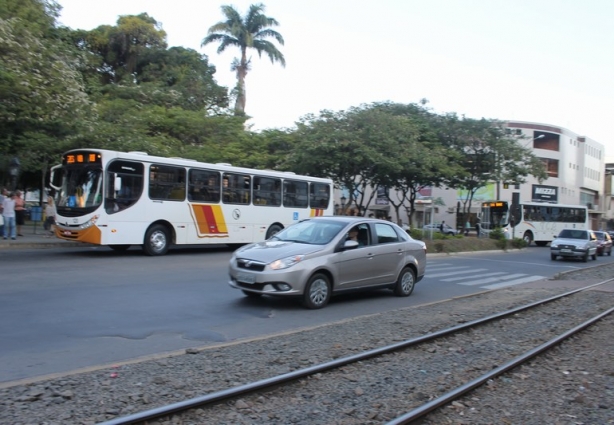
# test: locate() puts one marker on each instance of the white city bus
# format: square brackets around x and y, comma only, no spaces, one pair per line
[121,199]
[532,221]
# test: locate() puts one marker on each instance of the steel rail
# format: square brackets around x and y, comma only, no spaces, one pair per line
[233,392]
[422,411]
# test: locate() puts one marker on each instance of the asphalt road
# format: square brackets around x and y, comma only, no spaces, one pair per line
[63,309]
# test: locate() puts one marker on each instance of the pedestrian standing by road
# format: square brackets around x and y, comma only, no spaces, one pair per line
[477,228]
[49,217]
[20,211]
[467,228]
[8,213]
[3,194]
[441,226]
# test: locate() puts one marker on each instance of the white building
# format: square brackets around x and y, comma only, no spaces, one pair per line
[576,175]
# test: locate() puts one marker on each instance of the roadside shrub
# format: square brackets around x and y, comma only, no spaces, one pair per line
[416,234]
[496,234]
[501,243]
[439,247]
[518,243]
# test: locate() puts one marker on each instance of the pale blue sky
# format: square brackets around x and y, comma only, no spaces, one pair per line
[547,61]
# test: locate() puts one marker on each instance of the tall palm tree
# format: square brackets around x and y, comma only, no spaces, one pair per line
[245,32]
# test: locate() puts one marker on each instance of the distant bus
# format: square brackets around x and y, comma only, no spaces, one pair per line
[120,199]
[535,222]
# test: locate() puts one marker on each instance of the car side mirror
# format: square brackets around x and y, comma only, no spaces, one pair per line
[350,245]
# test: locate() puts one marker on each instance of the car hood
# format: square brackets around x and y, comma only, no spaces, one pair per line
[269,251]
[565,241]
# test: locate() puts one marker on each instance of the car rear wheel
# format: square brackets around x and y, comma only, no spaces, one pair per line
[405,283]
[317,291]
[553,257]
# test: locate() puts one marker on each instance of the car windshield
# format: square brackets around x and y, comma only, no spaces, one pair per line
[318,232]
[573,234]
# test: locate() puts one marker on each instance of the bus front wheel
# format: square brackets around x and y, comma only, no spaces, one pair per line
[157,240]
[528,238]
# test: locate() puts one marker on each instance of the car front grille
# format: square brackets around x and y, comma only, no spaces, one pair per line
[254,286]
[254,266]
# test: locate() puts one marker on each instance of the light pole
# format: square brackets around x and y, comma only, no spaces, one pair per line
[14,168]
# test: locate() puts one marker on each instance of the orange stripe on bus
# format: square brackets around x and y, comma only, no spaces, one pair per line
[316,213]
[209,220]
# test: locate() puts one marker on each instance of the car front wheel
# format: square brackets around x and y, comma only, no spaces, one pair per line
[405,283]
[553,257]
[317,291]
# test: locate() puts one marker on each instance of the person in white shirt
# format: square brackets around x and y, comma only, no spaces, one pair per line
[50,216]
[8,212]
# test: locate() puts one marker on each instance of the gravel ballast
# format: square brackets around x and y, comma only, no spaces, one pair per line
[572,384]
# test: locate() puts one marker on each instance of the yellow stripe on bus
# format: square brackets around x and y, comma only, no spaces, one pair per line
[209,220]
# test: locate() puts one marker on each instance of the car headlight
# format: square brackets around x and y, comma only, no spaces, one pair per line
[284,263]
[554,245]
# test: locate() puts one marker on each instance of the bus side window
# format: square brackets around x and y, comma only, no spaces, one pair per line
[167,183]
[319,195]
[236,189]
[126,194]
[296,194]
[267,191]
[203,186]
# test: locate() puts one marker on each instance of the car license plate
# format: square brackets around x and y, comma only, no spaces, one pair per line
[565,250]
[246,277]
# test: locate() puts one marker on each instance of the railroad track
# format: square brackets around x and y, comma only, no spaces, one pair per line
[392,389]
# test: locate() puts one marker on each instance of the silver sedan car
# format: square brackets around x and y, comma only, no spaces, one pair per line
[323,256]
[574,243]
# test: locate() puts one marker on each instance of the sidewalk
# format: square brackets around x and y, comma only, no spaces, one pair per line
[34,237]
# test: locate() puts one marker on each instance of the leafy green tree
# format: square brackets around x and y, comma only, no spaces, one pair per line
[486,153]
[182,77]
[351,147]
[44,101]
[120,47]
[421,160]
[248,32]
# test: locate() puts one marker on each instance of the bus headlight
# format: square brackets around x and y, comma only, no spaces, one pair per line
[89,223]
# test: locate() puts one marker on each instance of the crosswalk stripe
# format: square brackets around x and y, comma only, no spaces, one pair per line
[490,280]
[465,275]
[452,279]
[514,282]
[455,272]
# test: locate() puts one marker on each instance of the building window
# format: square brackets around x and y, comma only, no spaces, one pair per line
[549,142]
[552,166]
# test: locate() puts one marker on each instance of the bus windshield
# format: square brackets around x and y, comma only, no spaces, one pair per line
[81,188]
[494,215]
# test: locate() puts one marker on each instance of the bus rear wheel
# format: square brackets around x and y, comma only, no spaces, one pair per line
[157,240]
[275,228]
